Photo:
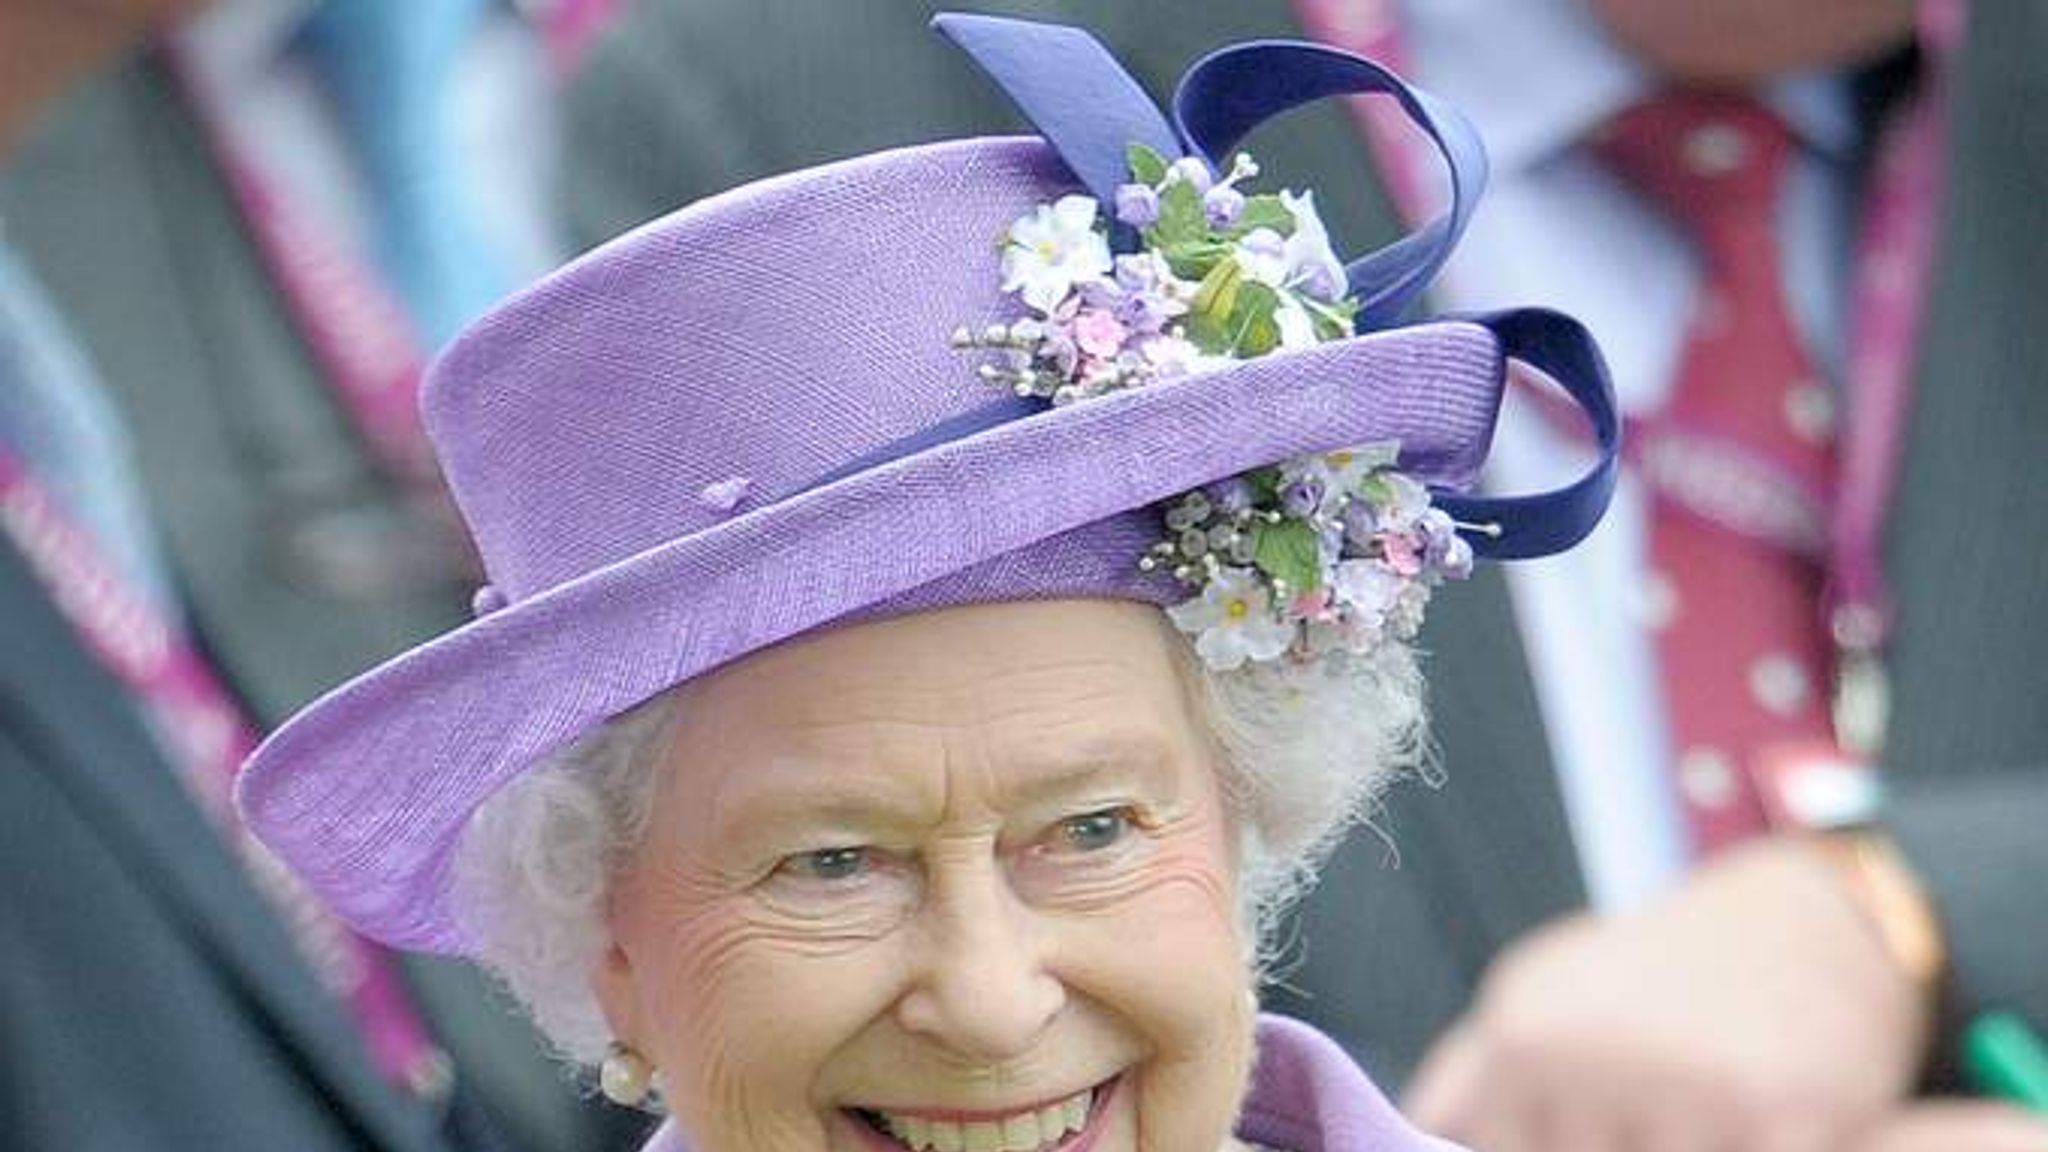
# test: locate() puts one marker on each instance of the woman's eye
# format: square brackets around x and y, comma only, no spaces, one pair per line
[1084,859]
[851,893]
[1094,831]
[828,864]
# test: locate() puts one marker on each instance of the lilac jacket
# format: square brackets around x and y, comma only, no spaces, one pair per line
[1306,1096]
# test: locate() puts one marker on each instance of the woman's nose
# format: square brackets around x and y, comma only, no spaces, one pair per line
[982,987]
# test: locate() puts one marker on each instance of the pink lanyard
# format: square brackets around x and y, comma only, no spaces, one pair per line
[1895,256]
[363,343]
[1888,306]
[361,340]
[571,26]
[364,347]
[209,736]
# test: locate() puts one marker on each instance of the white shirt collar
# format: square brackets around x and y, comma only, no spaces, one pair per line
[1536,76]
[233,40]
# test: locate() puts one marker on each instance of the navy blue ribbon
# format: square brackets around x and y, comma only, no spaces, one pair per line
[1075,93]
[1090,110]
[1233,90]
[1524,527]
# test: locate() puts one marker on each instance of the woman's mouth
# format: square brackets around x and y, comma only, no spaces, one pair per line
[1046,1127]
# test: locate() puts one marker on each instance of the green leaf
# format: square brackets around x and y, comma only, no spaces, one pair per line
[1209,312]
[1332,320]
[1253,330]
[1217,293]
[1147,166]
[1265,211]
[1289,551]
[1194,261]
[1181,221]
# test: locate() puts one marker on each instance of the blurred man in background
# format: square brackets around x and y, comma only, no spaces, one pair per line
[1798,903]
[209,510]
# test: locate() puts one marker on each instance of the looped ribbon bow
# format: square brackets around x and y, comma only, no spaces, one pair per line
[1091,111]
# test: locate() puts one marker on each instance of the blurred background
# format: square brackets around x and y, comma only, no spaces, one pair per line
[233,234]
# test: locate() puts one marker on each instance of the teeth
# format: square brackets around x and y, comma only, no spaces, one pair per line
[1020,1133]
[1052,1121]
[1026,1132]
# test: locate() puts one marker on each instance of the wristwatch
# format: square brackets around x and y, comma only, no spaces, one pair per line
[1886,890]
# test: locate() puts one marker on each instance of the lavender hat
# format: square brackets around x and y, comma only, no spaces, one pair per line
[744,422]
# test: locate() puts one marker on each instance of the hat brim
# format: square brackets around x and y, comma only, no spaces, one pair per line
[367,791]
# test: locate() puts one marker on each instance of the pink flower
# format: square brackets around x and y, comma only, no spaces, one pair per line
[1404,552]
[1099,333]
[1312,605]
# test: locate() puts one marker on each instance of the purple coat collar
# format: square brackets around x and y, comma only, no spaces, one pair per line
[1306,1096]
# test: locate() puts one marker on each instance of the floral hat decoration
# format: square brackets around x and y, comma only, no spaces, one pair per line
[1108,362]
[1327,550]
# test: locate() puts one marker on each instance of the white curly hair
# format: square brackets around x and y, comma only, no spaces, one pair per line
[1306,748]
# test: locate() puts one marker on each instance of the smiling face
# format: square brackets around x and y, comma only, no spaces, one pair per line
[958,880]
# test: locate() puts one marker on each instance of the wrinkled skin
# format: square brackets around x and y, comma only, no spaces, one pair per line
[1754,1009]
[972,859]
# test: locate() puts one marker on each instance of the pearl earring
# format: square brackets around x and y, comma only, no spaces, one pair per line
[625,1076]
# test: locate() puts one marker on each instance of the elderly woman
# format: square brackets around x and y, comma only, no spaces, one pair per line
[823,765]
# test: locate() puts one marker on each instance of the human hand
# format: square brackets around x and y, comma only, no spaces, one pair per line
[1957,1127]
[1754,1010]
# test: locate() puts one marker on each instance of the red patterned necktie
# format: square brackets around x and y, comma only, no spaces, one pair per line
[1737,465]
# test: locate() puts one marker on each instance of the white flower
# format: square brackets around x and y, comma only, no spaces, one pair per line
[1365,594]
[1312,265]
[1367,589]
[1312,467]
[1295,266]
[1297,327]
[1407,500]
[1137,271]
[1233,621]
[1350,466]
[1189,170]
[1170,356]
[1261,254]
[1302,262]
[1052,249]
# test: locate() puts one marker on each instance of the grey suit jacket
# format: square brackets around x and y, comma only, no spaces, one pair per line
[120,212]
[684,99]
[148,999]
